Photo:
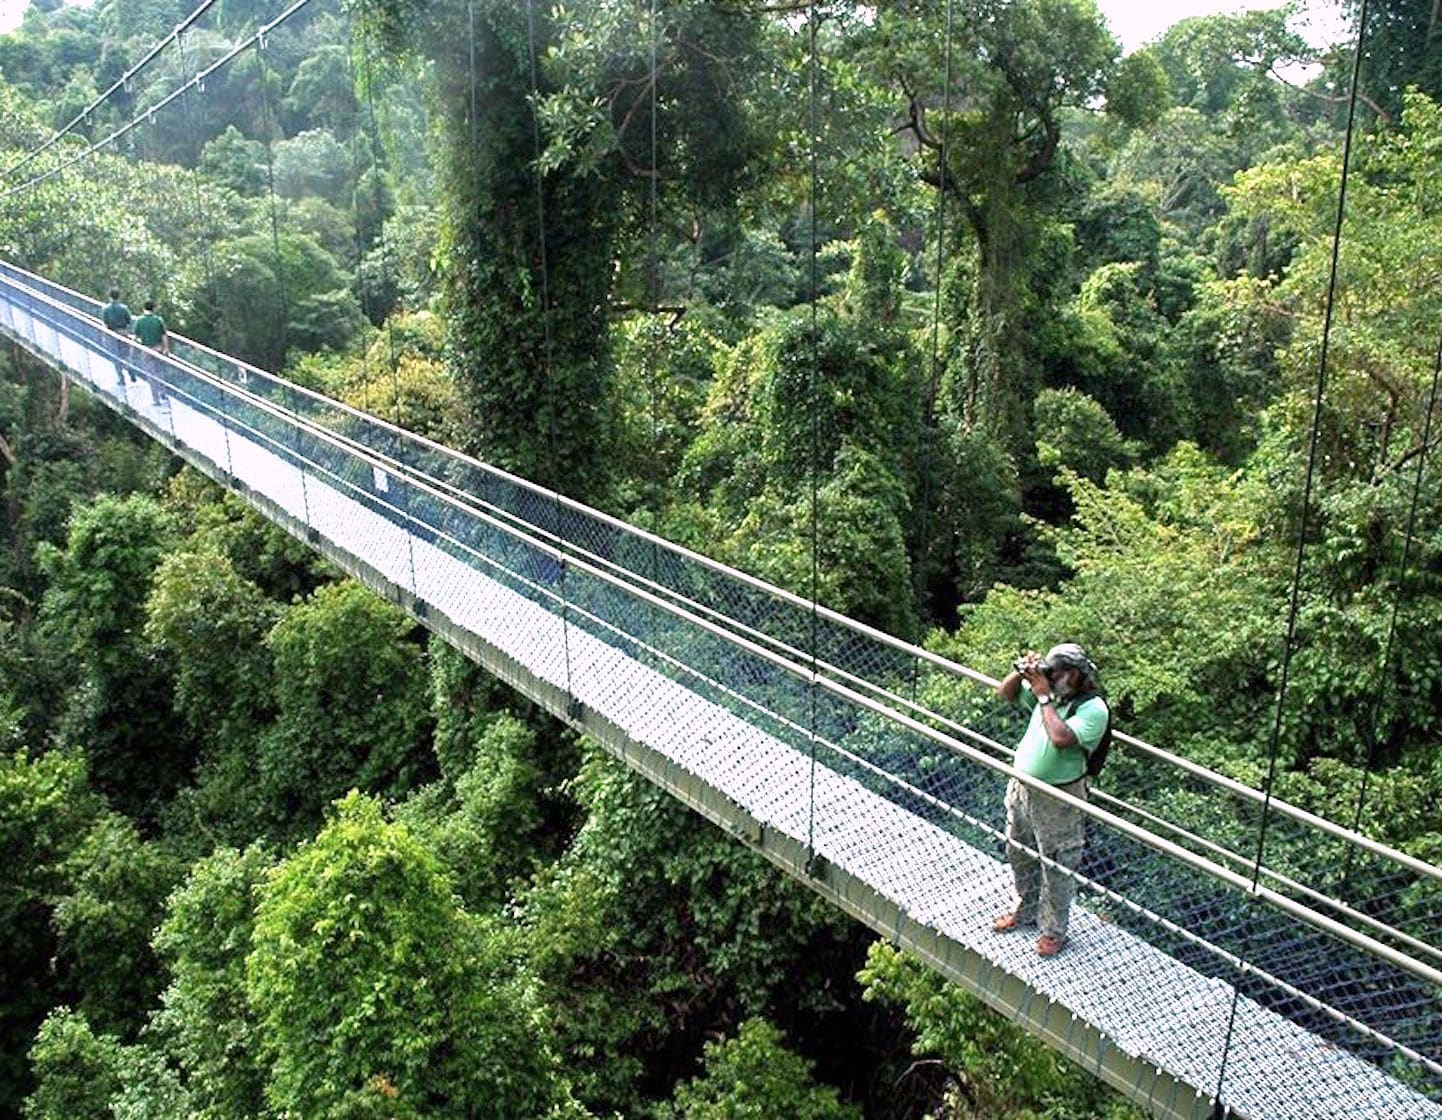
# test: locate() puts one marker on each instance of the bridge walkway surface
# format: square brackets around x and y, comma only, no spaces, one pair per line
[789,759]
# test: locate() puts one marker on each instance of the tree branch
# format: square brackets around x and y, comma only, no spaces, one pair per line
[1406,457]
[916,117]
[5,452]
[779,8]
[1042,160]
[1382,113]
[675,310]
[648,83]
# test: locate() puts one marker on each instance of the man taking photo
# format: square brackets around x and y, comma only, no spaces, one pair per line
[1068,721]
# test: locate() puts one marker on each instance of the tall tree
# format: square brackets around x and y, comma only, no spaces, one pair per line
[206,1022]
[548,156]
[119,700]
[45,813]
[377,994]
[524,256]
[1403,48]
[1011,70]
[350,702]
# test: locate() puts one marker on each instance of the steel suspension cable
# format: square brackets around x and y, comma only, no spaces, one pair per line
[387,278]
[376,150]
[122,82]
[812,391]
[149,114]
[653,294]
[653,281]
[282,290]
[923,549]
[471,56]
[1314,439]
[549,342]
[941,216]
[267,125]
[197,197]
[1402,564]
[357,171]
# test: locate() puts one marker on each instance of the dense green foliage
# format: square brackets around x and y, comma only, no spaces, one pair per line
[997,338]
[358,940]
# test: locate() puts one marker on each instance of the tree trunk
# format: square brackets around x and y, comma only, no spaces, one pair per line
[996,389]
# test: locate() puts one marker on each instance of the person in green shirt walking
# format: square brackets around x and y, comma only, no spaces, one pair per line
[150,329]
[1068,720]
[115,314]
[116,317]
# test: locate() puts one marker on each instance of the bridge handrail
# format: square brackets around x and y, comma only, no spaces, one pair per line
[805,672]
[92,336]
[1202,773]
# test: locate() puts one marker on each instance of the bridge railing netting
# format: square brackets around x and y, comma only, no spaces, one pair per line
[1341,937]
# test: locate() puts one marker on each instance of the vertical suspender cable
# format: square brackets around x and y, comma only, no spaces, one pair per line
[653,299]
[1402,565]
[471,44]
[357,172]
[1294,606]
[549,355]
[405,489]
[267,127]
[935,385]
[207,261]
[282,295]
[812,389]
[924,541]
[653,279]
[374,144]
[207,257]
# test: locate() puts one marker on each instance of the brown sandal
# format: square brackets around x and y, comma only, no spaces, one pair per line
[1049,945]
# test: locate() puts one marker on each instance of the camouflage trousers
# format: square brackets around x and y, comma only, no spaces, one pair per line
[1044,824]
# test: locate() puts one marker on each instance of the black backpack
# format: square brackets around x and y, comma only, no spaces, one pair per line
[1097,756]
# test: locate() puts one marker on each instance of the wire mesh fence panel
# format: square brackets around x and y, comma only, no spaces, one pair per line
[879,757]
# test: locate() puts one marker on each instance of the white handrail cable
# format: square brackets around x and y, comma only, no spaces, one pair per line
[937,661]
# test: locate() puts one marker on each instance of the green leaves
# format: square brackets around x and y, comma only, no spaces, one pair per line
[350,694]
[213,623]
[1005,1071]
[205,1021]
[46,810]
[654,927]
[104,922]
[1138,91]
[99,583]
[1074,432]
[753,1076]
[76,1069]
[374,989]
[261,295]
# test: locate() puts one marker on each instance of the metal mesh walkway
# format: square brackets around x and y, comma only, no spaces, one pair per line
[813,740]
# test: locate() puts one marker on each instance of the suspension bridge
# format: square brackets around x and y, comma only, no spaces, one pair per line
[1201,978]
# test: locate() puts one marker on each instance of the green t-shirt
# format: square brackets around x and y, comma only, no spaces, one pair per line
[116,315]
[150,328]
[1038,756]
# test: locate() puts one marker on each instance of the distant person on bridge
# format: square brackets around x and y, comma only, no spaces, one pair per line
[115,314]
[150,329]
[1068,720]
